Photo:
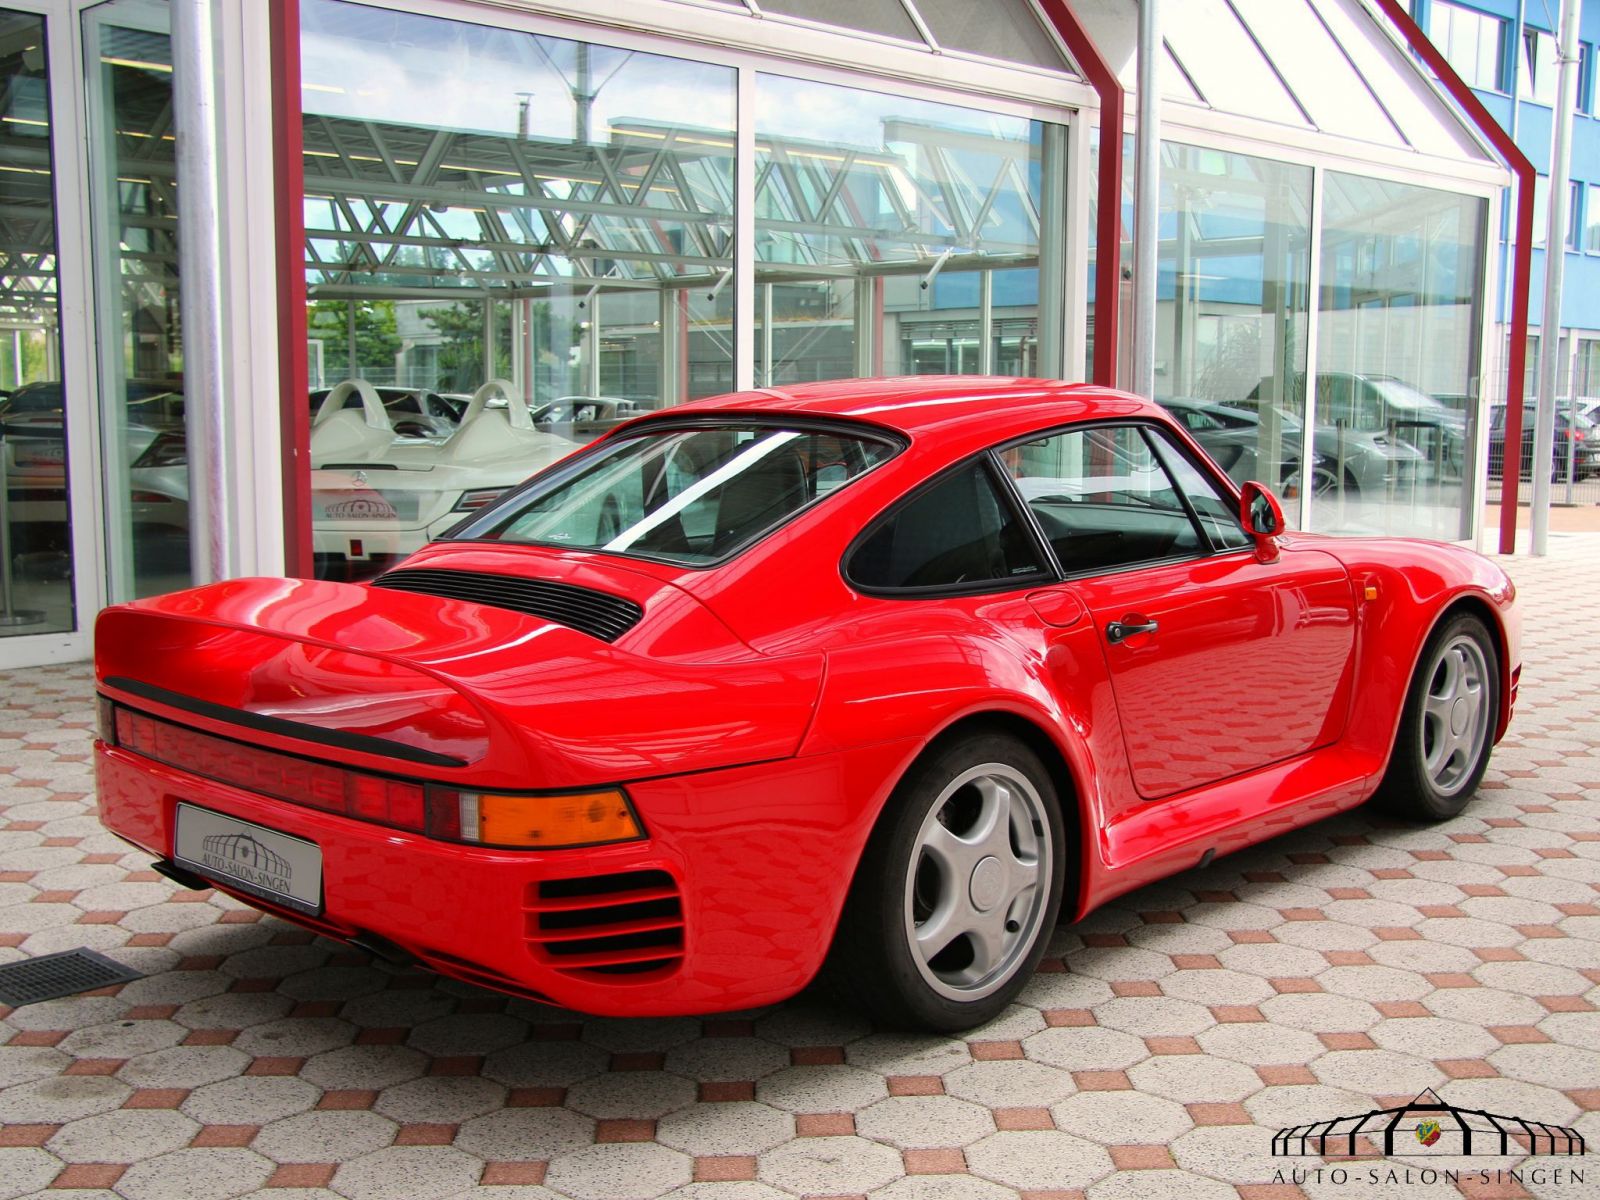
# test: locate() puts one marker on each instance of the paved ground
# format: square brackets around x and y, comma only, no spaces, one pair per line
[1159,1047]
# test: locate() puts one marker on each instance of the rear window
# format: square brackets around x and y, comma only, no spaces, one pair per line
[688,494]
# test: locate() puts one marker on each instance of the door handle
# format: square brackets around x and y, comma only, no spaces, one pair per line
[1120,630]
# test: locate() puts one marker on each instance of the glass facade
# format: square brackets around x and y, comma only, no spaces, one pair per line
[1399,327]
[35,525]
[501,259]
[896,236]
[1233,291]
[522,227]
[133,187]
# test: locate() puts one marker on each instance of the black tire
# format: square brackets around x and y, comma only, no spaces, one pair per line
[904,881]
[1435,767]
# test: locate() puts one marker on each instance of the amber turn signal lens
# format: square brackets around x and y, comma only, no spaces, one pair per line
[581,819]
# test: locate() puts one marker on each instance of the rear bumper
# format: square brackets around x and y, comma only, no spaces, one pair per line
[759,859]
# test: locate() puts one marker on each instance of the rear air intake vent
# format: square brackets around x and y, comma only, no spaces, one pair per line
[624,924]
[598,614]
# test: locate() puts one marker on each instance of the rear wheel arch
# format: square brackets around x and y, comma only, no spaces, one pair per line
[1070,792]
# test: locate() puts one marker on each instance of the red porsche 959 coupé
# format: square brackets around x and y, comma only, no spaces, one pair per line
[887,669]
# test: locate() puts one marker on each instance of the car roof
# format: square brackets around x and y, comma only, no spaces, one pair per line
[982,409]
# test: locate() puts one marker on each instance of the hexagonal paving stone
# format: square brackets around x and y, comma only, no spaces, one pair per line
[1431,1037]
[546,1064]
[936,1187]
[895,1054]
[127,1135]
[407,1173]
[1155,1016]
[1320,1012]
[184,1067]
[821,1089]
[296,1037]
[1036,1159]
[331,1136]
[440,1098]
[724,1058]
[1007,1082]
[1376,1072]
[26,1171]
[61,1098]
[524,1133]
[924,1122]
[739,1127]
[365,1067]
[639,1094]
[250,1100]
[1549,1063]
[1121,1118]
[1236,1153]
[468,1033]
[1193,1078]
[829,1166]
[204,1174]
[619,1171]
[1086,1048]
[1159,1185]
[1260,1044]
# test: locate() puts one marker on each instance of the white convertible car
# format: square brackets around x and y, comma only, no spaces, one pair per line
[378,496]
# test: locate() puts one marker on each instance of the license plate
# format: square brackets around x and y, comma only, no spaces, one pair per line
[263,862]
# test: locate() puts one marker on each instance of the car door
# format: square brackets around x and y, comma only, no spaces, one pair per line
[1220,662]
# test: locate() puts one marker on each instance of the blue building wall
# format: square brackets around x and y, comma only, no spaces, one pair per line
[1580,305]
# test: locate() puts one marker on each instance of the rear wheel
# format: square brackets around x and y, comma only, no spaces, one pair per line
[959,888]
[1447,729]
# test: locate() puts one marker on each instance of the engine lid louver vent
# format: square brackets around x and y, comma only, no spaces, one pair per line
[598,614]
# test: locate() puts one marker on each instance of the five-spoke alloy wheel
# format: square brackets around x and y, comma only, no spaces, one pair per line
[1447,729]
[959,888]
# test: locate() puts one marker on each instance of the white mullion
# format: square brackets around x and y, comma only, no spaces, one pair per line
[1308,419]
[744,234]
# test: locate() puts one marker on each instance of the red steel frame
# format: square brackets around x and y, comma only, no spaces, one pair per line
[1522,254]
[294,380]
[1108,219]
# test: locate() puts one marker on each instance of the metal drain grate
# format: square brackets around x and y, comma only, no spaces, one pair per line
[56,975]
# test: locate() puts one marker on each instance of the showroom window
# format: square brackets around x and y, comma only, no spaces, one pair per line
[538,229]
[897,236]
[1472,42]
[35,529]
[1398,331]
[133,184]
[1233,290]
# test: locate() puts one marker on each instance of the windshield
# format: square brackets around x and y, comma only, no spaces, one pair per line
[1403,395]
[688,494]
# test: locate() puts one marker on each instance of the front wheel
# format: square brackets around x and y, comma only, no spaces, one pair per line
[1447,729]
[959,888]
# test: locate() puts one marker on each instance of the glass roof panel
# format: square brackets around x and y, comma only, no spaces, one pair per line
[872,16]
[1317,71]
[1003,29]
[1226,66]
[1424,118]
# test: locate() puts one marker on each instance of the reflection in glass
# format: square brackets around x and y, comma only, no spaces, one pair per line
[134,183]
[35,531]
[1398,334]
[1231,301]
[901,236]
[536,230]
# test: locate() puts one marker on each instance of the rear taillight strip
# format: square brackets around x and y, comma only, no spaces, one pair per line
[366,797]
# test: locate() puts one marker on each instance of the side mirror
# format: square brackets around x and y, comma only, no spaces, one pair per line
[1260,513]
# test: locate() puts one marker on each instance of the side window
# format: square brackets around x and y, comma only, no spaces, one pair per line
[1102,498]
[961,530]
[1216,510]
